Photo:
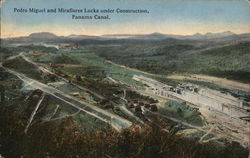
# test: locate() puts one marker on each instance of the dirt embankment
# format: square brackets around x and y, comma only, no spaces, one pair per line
[223,82]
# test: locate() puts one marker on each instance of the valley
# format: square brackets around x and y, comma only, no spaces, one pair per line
[138,89]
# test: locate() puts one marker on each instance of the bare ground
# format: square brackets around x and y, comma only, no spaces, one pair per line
[223,82]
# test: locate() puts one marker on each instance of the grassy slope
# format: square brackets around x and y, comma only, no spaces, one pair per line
[20,65]
[231,61]
[91,60]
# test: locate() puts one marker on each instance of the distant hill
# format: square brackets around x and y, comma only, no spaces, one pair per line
[207,39]
[157,35]
[209,35]
[43,35]
[230,61]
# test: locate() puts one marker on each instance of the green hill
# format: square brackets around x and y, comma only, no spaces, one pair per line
[231,61]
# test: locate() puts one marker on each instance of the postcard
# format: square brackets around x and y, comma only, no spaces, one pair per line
[125,79]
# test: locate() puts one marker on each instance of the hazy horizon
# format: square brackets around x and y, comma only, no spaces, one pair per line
[125,34]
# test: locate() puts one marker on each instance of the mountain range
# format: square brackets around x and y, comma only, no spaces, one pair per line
[222,37]
[157,35]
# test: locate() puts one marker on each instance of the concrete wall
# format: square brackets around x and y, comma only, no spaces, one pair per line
[208,98]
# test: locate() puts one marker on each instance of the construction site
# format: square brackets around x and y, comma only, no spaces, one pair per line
[229,114]
[47,90]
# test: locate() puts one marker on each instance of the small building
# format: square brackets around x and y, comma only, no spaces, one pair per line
[67,46]
[131,105]
[147,105]
[36,94]
[138,109]
[109,106]
[153,108]
[141,103]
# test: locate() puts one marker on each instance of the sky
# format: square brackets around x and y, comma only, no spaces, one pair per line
[182,17]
